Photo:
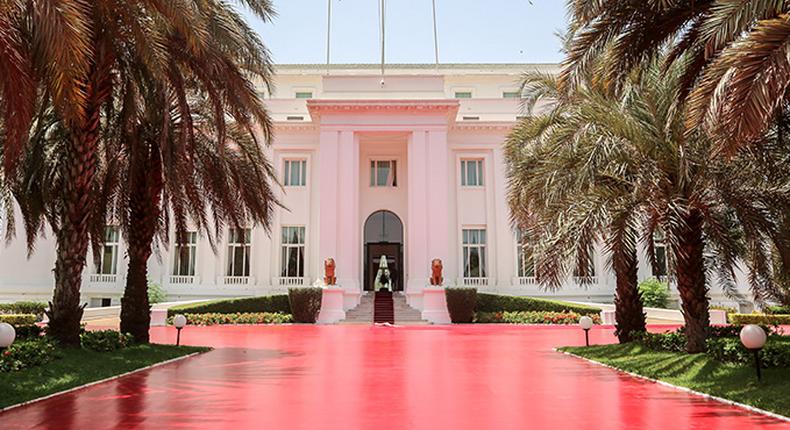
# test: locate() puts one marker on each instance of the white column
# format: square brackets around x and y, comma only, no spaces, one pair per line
[339,229]
[427,223]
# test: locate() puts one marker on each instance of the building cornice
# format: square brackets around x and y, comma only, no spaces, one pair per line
[498,126]
[318,107]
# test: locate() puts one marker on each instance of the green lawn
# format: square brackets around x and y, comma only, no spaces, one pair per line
[79,366]
[698,372]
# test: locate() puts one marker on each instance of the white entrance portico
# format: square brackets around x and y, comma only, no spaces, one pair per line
[354,135]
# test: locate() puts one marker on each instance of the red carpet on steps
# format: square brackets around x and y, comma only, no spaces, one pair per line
[383,308]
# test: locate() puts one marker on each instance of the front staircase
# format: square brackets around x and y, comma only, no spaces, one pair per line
[365,312]
[383,308]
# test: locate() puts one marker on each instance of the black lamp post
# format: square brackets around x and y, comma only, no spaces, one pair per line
[179,321]
[586,324]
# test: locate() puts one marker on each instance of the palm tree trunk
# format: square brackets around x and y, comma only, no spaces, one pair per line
[145,182]
[65,311]
[629,312]
[692,286]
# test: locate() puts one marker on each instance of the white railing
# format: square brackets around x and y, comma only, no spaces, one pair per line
[291,281]
[183,280]
[474,282]
[99,278]
[585,280]
[526,280]
[236,280]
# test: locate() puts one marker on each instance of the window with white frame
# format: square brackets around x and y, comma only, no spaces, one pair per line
[585,273]
[660,250]
[463,94]
[303,94]
[472,173]
[383,173]
[525,258]
[108,260]
[292,255]
[474,252]
[511,94]
[295,173]
[185,254]
[239,252]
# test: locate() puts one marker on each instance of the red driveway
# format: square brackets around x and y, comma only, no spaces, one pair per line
[359,377]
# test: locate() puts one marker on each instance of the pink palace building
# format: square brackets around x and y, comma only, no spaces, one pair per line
[408,164]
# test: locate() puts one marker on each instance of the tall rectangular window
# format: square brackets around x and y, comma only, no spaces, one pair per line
[660,250]
[526,261]
[239,252]
[472,173]
[185,254]
[474,253]
[463,94]
[108,261]
[295,173]
[383,173]
[588,272]
[292,252]
[303,95]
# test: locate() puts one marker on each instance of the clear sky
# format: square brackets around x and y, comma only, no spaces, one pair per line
[470,31]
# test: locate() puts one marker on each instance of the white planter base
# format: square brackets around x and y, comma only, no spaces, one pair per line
[332,306]
[434,305]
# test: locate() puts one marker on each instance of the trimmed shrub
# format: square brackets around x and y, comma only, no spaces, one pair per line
[27,353]
[461,303]
[781,310]
[35,308]
[728,309]
[18,319]
[532,317]
[499,303]
[654,293]
[763,319]
[672,341]
[28,331]
[276,303]
[305,303]
[156,294]
[105,340]
[238,318]
[776,352]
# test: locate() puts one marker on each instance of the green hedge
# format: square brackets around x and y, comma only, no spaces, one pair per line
[27,353]
[105,340]
[461,303]
[531,317]
[783,310]
[35,308]
[276,303]
[765,319]
[499,303]
[18,319]
[238,318]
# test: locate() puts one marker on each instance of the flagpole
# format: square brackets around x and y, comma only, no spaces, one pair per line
[328,30]
[383,12]
[435,35]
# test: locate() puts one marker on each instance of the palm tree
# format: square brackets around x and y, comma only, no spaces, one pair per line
[571,198]
[160,41]
[638,166]
[733,53]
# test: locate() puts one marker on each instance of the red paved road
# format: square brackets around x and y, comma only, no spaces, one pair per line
[358,377]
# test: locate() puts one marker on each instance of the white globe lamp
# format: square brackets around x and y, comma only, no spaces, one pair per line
[753,337]
[179,322]
[586,324]
[7,335]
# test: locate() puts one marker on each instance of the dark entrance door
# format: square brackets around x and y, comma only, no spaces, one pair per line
[383,236]
[394,254]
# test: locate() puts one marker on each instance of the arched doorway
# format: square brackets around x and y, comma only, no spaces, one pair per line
[383,235]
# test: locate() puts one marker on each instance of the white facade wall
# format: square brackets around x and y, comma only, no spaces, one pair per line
[351,119]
